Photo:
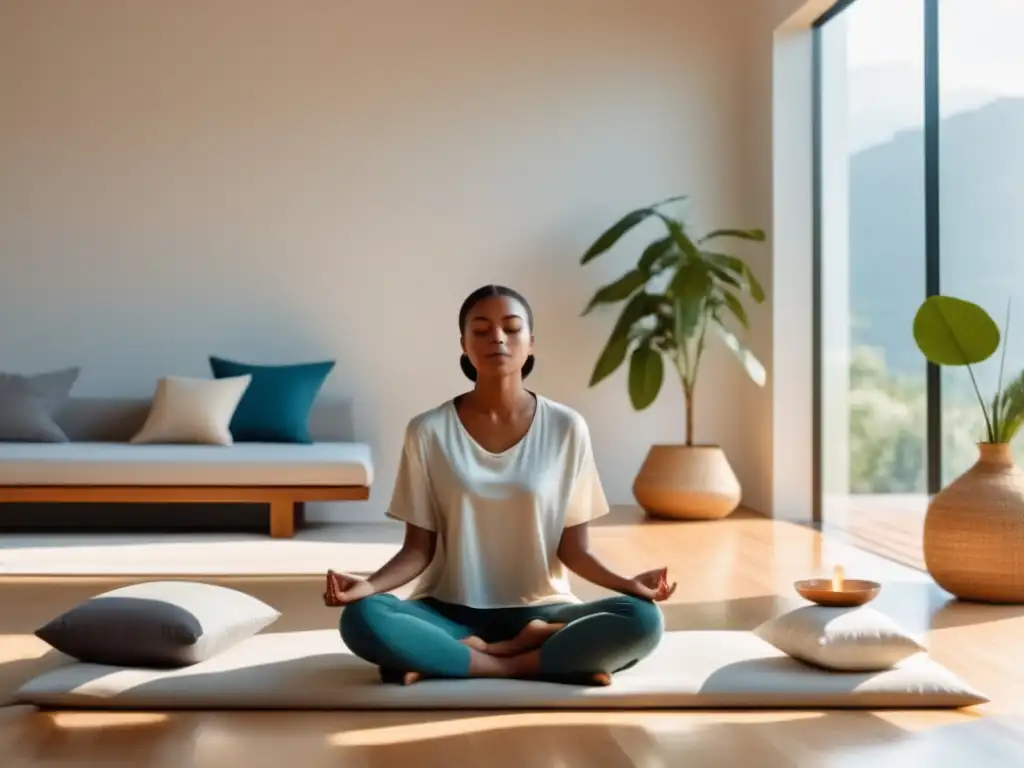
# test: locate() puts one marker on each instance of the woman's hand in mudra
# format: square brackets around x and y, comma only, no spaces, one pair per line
[343,589]
[653,585]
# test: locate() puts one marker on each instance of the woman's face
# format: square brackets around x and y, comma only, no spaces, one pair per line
[497,336]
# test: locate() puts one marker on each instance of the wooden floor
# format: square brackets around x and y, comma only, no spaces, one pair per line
[891,525]
[733,574]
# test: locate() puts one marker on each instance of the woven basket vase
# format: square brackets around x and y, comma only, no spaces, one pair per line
[974,530]
[681,482]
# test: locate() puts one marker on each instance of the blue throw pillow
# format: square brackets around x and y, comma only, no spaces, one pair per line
[275,408]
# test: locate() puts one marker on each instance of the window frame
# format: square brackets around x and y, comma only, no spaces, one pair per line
[932,238]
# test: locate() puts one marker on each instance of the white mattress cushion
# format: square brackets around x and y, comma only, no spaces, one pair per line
[313,670]
[258,464]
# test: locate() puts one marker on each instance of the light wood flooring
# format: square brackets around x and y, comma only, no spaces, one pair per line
[891,525]
[732,574]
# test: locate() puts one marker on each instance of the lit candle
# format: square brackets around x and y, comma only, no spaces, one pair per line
[837,578]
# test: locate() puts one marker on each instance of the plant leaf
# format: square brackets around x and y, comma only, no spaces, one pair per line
[620,290]
[682,240]
[756,235]
[738,266]
[734,305]
[640,306]
[646,373]
[690,288]
[724,276]
[750,363]
[611,358]
[997,425]
[951,331]
[653,253]
[755,288]
[1008,410]
[614,233]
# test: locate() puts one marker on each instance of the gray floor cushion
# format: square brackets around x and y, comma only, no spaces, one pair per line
[312,670]
[158,624]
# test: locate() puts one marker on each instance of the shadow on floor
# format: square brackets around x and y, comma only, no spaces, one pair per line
[740,614]
[957,613]
[138,527]
[769,739]
[83,524]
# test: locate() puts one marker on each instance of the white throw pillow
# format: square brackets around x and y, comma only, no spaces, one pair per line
[193,410]
[843,639]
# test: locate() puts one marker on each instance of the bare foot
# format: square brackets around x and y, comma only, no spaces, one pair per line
[410,678]
[475,643]
[522,665]
[485,665]
[530,637]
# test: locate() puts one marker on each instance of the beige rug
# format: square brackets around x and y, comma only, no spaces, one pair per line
[313,670]
[306,620]
[359,548]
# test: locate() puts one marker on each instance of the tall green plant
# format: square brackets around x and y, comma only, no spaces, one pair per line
[954,332]
[700,286]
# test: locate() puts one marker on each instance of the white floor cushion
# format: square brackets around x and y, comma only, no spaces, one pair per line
[312,670]
[842,639]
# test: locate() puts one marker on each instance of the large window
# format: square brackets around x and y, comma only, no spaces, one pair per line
[919,168]
[981,182]
[871,244]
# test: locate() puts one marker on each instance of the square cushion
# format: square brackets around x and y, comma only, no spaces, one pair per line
[197,411]
[25,419]
[276,406]
[157,624]
[29,403]
[842,639]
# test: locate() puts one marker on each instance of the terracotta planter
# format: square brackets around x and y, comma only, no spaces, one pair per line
[974,531]
[687,483]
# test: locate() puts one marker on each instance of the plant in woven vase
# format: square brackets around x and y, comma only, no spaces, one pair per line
[974,527]
[682,291]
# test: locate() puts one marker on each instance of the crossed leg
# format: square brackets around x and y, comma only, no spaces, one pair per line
[409,639]
[574,643]
[582,642]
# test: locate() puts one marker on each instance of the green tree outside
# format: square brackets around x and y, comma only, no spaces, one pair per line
[888,417]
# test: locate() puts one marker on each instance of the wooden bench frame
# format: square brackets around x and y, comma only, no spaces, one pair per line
[286,502]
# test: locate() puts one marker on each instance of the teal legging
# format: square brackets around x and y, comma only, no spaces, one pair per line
[423,636]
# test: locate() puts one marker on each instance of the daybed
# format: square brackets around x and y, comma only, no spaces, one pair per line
[99,465]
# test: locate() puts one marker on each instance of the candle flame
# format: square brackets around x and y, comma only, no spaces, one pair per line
[838,576]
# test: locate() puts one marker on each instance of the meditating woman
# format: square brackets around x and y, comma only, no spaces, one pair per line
[496,488]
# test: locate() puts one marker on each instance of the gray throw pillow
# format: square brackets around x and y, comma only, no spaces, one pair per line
[24,419]
[28,405]
[159,624]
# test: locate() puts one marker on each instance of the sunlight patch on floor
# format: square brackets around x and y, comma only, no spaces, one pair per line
[84,720]
[463,726]
[21,648]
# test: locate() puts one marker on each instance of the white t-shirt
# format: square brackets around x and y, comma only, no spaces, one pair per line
[499,517]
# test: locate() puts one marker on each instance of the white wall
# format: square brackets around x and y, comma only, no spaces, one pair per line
[779,184]
[282,181]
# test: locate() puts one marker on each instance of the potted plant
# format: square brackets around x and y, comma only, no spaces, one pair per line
[681,292]
[974,527]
